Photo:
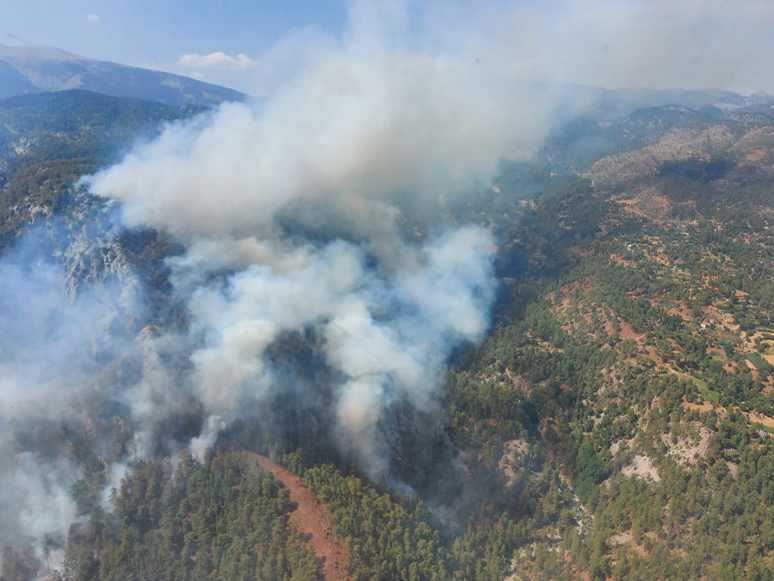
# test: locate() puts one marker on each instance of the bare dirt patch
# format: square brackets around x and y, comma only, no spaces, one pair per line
[516,450]
[682,311]
[755,156]
[688,450]
[724,320]
[627,332]
[763,420]
[582,252]
[654,356]
[643,467]
[650,206]
[620,260]
[700,407]
[312,523]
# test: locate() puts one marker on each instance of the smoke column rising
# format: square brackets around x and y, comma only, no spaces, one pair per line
[329,154]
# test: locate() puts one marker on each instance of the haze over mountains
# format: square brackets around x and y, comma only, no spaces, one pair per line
[35,69]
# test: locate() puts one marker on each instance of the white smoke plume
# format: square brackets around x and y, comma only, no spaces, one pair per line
[200,444]
[78,364]
[35,499]
[288,212]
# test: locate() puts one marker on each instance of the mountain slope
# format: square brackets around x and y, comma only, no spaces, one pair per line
[615,424]
[32,69]
[48,140]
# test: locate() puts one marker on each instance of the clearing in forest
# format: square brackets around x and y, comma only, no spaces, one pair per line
[311,520]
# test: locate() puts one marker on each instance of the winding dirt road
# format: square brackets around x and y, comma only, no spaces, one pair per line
[311,520]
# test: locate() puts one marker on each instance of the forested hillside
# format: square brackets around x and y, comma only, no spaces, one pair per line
[636,366]
[616,422]
[49,140]
[225,520]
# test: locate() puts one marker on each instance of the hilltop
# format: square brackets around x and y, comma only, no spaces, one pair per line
[34,69]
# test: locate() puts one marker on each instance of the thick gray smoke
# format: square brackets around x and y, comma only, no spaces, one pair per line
[388,334]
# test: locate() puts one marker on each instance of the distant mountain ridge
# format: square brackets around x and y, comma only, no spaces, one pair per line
[624,101]
[35,69]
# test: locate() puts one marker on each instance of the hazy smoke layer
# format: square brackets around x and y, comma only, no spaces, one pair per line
[54,347]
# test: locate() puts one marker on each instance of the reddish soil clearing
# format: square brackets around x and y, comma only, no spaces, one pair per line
[627,332]
[764,420]
[683,312]
[656,358]
[752,417]
[311,520]
[702,407]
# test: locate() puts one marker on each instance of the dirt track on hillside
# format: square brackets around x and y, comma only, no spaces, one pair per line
[311,520]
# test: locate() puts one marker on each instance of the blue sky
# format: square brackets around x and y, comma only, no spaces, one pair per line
[157,34]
